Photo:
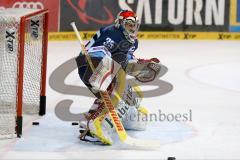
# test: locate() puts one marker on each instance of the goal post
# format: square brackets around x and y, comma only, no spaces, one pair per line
[23,63]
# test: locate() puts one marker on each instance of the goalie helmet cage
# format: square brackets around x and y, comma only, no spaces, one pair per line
[23,62]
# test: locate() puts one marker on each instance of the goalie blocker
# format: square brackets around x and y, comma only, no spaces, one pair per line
[105,72]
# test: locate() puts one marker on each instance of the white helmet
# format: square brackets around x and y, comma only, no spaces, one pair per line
[130,23]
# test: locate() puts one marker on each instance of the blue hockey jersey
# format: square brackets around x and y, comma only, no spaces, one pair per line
[115,41]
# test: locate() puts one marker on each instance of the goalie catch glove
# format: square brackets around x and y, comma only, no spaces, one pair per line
[144,70]
[156,60]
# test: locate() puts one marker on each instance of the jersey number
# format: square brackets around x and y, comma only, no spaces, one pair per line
[109,43]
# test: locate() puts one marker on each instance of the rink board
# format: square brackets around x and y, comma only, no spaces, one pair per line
[70,36]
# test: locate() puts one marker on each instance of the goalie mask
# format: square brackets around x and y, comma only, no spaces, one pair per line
[130,23]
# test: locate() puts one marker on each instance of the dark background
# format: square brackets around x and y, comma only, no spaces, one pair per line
[95,9]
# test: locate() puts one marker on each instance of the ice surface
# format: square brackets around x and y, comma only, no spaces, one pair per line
[206,80]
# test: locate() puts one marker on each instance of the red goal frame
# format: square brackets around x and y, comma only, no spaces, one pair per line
[19,100]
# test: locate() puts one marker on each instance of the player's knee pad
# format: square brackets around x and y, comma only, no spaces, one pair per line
[136,119]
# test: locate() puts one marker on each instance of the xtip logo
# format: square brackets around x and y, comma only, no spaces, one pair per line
[222,36]
[32,5]
[189,36]
[10,40]
[34,25]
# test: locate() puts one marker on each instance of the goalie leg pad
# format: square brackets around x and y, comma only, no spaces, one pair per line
[96,130]
[100,130]
[86,136]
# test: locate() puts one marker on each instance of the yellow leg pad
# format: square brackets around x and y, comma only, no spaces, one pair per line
[99,131]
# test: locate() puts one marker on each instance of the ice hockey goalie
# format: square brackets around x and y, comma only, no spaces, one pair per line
[111,50]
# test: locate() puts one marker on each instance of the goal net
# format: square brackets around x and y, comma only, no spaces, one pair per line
[23,49]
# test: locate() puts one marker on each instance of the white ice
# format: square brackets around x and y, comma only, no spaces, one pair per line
[206,80]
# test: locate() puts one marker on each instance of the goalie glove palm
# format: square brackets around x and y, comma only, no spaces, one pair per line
[149,72]
[145,70]
[156,60]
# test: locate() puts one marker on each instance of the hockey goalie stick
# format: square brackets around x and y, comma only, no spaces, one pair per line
[123,136]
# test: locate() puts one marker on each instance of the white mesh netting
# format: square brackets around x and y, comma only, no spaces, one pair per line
[9,54]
